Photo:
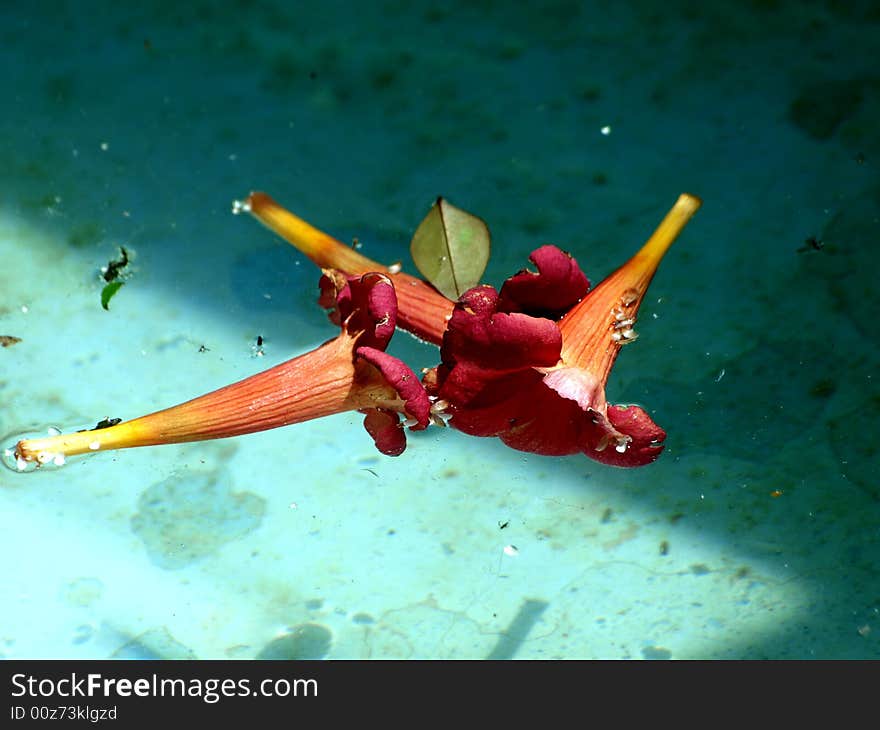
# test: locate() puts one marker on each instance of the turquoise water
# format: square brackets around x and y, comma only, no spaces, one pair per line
[754,535]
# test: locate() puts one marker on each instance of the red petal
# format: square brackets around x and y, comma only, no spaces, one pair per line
[335,295]
[404,381]
[478,334]
[365,304]
[486,404]
[375,309]
[558,285]
[647,436]
[384,426]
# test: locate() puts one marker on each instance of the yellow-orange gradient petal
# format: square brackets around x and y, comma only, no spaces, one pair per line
[320,383]
[596,328]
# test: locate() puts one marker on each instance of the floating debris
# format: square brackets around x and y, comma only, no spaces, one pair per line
[108,292]
[113,269]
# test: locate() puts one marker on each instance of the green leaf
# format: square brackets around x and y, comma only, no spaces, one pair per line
[108,291]
[451,249]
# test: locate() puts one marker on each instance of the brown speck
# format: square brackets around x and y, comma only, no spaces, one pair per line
[700,569]
[664,548]
[9,340]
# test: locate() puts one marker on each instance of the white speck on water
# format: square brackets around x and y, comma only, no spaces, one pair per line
[239,206]
[606,130]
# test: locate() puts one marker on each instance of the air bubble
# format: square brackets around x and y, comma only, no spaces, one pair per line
[239,206]
[45,460]
[15,463]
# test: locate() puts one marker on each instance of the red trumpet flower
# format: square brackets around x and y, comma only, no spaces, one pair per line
[529,365]
[422,310]
[350,372]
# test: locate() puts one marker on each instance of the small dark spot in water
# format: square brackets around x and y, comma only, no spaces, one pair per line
[363,618]
[85,234]
[607,516]
[823,388]
[821,107]
[656,652]
[664,547]
[313,604]
[590,93]
[700,569]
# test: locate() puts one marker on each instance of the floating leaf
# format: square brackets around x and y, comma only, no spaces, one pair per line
[108,291]
[451,249]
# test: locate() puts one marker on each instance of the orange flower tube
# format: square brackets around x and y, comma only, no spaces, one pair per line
[422,310]
[350,372]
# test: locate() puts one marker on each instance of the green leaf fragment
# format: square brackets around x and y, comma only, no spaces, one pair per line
[109,291]
[451,249]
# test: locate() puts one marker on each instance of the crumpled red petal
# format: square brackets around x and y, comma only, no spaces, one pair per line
[550,292]
[480,335]
[366,304]
[398,375]
[647,437]
[384,426]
